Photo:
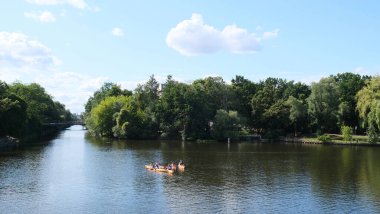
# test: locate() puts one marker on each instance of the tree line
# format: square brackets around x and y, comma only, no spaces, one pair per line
[210,108]
[25,108]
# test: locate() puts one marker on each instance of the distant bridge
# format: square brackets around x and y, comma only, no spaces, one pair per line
[78,122]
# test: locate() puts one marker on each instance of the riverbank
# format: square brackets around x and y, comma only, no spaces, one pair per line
[8,143]
[357,140]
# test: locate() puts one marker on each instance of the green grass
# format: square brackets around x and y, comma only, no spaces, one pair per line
[335,138]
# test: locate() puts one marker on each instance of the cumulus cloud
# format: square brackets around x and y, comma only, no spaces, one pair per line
[80,4]
[27,60]
[194,37]
[17,49]
[239,40]
[117,32]
[44,16]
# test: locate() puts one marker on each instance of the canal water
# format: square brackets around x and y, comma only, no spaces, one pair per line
[75,173]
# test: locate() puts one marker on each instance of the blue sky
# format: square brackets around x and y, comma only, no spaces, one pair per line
[72,46]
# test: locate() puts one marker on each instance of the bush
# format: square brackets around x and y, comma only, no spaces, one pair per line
[324,138]
[346,131]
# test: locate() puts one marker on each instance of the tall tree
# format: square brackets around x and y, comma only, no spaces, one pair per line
[102,117]
[12,112]
[243,91]
[297,112]
[323,104]
[205,97]
[349,85]
[108,89]
[41,107]
[147,94]
[134,123]
[368,103]
[225,125]
[173,109]
[268,104]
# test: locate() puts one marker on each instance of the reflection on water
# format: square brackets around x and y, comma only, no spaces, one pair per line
[81,174]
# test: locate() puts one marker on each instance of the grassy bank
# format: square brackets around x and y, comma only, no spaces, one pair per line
[334,139]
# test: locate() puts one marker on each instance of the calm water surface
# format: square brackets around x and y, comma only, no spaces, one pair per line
[79,174]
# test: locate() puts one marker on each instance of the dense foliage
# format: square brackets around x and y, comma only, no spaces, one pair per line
[24,109]
[346,132]
[210,108]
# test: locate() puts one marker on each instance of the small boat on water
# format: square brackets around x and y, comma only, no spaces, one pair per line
[161,169]
[170,168]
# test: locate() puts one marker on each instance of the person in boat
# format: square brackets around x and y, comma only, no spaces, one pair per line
[156,165]
[169,167]
[173,166]
[181,165]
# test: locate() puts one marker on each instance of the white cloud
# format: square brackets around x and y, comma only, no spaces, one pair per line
[117,32]
[70,88]
[26,60]
[44,16]
[80,4]
[17,49]
[194,37]
[271,34]
[239,40]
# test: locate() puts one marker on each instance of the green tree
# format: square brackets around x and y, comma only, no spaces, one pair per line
[269,109]
[243,91]
[298,90]
[40,104]
[173,109]
[368,103]
[297,112]
[102,117]
[277,118]
[25,108]
[204,98]
[269,92]
[323,104]
[134,123]
[12,115]
[108,89]
[349,84]
[225,125]
[147,95]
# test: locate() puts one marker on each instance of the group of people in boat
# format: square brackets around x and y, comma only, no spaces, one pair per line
[170,166]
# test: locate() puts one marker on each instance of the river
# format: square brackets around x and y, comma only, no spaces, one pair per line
[76,173]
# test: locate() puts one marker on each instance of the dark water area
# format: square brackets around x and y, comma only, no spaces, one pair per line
[75,173]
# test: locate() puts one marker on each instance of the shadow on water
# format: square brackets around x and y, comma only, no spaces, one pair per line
[34,143]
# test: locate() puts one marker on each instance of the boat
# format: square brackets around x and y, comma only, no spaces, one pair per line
[161,169]
[165,170]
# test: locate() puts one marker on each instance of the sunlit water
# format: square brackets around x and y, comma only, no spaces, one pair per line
[75,173]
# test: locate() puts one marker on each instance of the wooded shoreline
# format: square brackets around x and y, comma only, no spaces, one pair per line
[9,143]
[211,109]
